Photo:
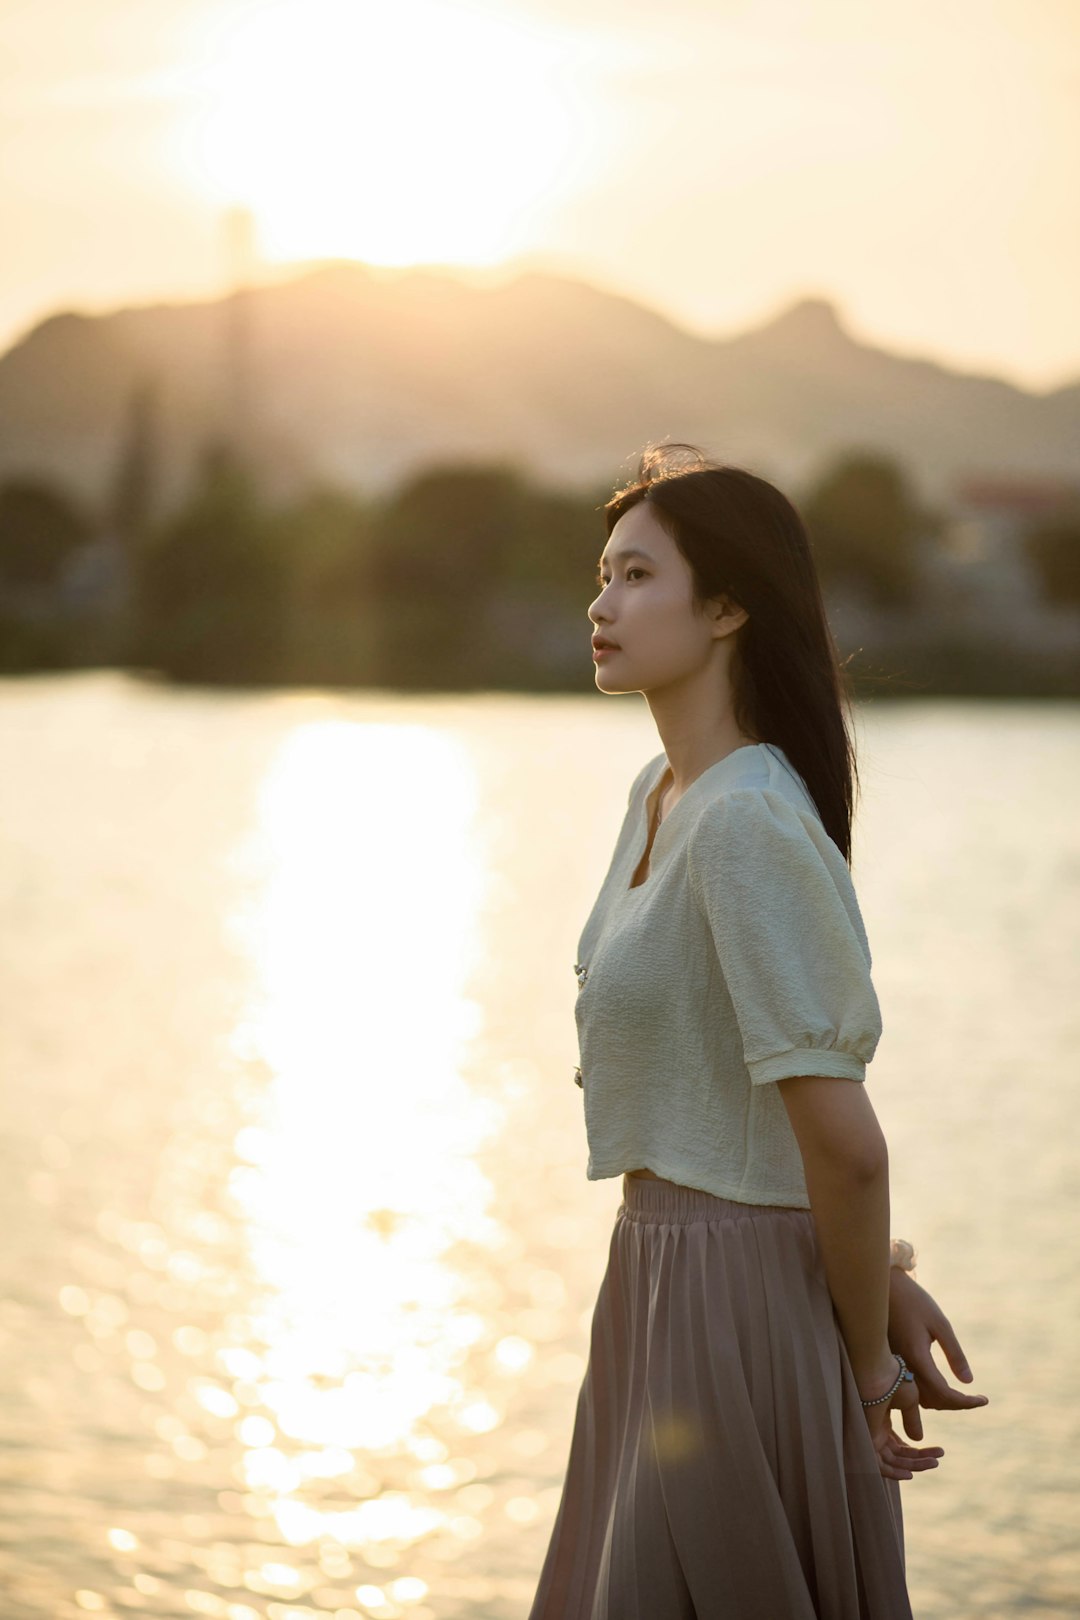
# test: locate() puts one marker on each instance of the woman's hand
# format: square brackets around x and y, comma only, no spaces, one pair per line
[896,1458]
[916,1321]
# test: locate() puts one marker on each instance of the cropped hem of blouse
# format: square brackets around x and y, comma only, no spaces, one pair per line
[697,1181]
[827,1061]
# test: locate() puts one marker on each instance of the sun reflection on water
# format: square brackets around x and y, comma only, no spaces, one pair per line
[356,1173]
[203,1306]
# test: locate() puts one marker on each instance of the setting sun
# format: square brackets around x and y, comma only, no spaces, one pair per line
[422,132]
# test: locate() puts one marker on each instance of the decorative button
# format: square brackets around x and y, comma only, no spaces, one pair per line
[582,973]
[577,1079]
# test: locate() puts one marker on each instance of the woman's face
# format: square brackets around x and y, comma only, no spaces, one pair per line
[645,607]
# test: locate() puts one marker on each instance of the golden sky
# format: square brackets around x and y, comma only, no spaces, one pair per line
[716,159]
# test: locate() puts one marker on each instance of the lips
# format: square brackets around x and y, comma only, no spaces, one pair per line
[600,645]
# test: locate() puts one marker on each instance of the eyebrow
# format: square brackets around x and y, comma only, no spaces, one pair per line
[631,551]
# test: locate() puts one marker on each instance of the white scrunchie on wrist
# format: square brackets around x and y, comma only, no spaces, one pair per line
[901,1254]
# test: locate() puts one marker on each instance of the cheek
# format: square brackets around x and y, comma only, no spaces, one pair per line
[672,623]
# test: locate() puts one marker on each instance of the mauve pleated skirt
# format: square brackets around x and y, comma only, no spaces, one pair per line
[720,1466]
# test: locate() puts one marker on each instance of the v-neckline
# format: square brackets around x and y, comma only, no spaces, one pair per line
[651,832]
[641,847]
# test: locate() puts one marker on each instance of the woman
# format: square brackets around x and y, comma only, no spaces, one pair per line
[733,1453]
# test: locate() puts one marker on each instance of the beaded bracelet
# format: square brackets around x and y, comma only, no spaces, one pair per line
[902,1377]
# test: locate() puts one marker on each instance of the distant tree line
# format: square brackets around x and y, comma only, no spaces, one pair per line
[466,576]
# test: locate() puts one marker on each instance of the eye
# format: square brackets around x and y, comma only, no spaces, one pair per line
[601,581]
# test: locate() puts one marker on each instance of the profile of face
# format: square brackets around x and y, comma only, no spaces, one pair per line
[646,611]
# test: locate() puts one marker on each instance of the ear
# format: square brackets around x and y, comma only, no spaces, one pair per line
[725,614]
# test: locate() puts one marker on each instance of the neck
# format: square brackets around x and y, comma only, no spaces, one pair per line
[695,735]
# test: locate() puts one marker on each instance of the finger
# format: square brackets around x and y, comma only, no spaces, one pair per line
[912,1422]
[899,1460]
[904,1453]
[954,1400]
[913,1462]
[954,1355]
[932,1386]
[937,1395]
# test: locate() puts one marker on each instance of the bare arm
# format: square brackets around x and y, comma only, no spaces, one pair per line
[846,1164]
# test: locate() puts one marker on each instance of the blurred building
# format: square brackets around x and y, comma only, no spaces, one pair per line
[979,578]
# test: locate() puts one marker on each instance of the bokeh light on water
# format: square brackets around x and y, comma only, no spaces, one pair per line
[301,1255]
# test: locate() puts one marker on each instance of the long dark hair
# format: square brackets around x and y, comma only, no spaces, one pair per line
[743,538]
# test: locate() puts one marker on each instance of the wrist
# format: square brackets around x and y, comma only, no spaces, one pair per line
[875,1378]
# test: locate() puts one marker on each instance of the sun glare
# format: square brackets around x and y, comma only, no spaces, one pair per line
[418,132]
[356,1177]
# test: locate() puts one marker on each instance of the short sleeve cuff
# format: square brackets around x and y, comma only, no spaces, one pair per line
[823,1060]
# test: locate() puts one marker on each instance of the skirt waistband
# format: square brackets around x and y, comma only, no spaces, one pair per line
[670,1204]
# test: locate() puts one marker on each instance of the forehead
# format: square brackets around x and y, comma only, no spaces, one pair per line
[638,533]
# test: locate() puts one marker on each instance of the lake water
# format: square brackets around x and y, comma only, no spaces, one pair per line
[300,1255]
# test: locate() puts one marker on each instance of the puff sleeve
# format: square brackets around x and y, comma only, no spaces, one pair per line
[782,911]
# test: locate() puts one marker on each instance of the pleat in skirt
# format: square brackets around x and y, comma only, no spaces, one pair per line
[721,1467]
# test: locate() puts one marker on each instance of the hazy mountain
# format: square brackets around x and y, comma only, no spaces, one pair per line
[360,377]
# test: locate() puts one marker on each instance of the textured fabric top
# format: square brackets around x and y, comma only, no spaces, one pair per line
[741,959]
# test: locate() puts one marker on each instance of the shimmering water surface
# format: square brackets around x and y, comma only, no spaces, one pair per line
[299,1255]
